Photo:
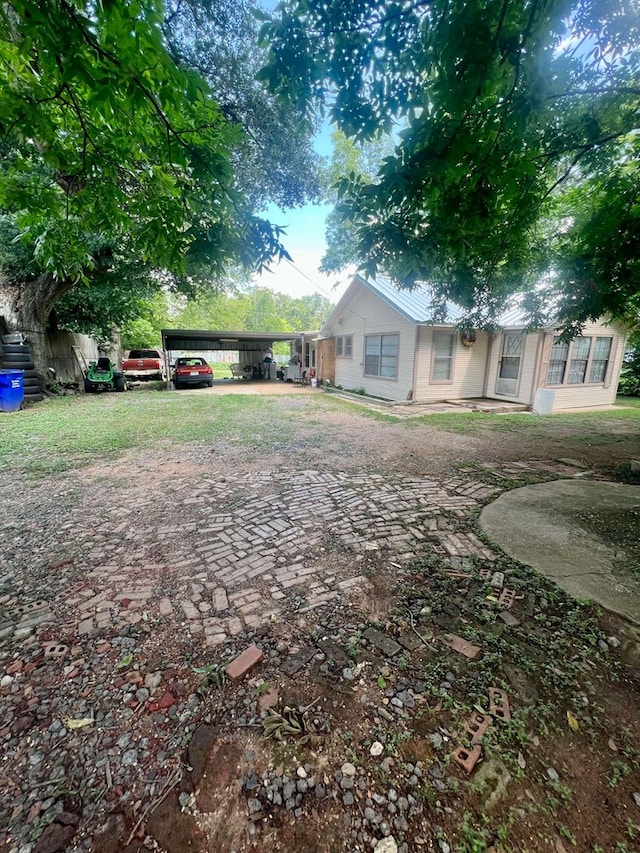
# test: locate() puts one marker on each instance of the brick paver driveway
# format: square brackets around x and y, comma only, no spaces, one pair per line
[207,555]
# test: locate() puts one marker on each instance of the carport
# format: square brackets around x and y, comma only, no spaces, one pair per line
[250,346]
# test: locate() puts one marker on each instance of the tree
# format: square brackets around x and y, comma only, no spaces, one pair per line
[275,161]
[109,147]
[509,104]
[348,158]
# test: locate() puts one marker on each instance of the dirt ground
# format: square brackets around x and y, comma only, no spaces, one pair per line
[365,700]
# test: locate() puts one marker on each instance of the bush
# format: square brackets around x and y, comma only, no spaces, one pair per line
[630,375]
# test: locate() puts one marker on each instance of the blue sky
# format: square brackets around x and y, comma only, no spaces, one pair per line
[305,242]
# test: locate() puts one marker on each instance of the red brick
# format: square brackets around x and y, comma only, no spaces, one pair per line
[465,648]
[166,702]
[244,662]
[15,667]
[467,758]
[507,597]
[477,726]
[499,704]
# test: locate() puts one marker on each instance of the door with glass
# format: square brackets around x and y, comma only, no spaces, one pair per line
[510,364]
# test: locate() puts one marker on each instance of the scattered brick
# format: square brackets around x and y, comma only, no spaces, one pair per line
[14,668]
[162,704]
[477,726]
[467,758]
[387,646]
[469,650]
[244,662]
[497,580]
[55,650]
[499,704]
[298,660]
[59,564]
[507,597]
[85,627]
[509,619]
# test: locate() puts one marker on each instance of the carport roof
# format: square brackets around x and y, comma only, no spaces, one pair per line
[206,339]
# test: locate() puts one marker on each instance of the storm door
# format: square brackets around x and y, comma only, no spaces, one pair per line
[510,364]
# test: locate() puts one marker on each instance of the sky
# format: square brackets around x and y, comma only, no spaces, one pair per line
[304,239]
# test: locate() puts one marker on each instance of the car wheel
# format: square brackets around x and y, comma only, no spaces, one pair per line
[176,385]
[210,383]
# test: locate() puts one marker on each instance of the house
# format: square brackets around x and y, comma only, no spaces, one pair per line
[382,340]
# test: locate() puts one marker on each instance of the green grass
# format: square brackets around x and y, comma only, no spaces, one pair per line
[71,431]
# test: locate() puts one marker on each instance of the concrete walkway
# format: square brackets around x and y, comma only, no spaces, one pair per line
[552,527]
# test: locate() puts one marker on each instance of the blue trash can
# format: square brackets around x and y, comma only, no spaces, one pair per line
[11,390]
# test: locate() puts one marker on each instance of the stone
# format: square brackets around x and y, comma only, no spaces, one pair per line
[552,773]
[386,645]
[348,769]
[386,845]
[491,780]
[244,662]
[302,773]
[130,757]
[376,748]
[298,660]
[509,619]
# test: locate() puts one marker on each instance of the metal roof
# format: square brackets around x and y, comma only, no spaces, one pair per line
[417,304]
[208,339]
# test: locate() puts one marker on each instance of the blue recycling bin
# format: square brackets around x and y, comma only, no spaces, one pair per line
[11,390]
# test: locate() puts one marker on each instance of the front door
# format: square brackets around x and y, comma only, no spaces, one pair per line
[510,363]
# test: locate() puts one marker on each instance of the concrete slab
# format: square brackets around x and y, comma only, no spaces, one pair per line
[566,530]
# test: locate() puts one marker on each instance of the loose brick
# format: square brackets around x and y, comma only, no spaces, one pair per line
[166,608]
[509,619]
[467,758]
[469,650]
[507,597]
[244,662]
[387,646]
[85,627]
[476,726]
[499,704]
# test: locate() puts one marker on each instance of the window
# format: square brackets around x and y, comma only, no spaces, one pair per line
[600,362]
[581,361]
[381,356]
[557,362]
[344,346]
[442,369]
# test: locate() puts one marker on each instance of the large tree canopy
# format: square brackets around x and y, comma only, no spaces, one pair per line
[513,107]
[130,144]
[112,137]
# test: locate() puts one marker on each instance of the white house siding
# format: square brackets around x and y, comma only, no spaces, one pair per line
[469,364]
[601,394]
[367,314]
[527,369]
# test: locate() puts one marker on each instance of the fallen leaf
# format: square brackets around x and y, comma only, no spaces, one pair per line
[521,762]
[573,723]
[125,661]
[79,723]
[613,746]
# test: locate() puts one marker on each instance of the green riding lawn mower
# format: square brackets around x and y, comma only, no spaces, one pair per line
[101,376]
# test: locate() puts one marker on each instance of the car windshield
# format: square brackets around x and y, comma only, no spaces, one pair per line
[190,362]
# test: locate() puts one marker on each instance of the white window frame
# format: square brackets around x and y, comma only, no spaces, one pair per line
[452,358]
[382,336]
[593,339]
[344,346]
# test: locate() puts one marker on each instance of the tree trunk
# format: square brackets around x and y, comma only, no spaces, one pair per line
[26,307]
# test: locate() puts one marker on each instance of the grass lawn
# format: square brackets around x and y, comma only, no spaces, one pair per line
[71,431]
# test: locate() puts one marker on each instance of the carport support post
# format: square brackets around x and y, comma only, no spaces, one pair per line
[165,356]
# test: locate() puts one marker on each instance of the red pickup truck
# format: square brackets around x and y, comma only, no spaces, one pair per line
[144,364]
